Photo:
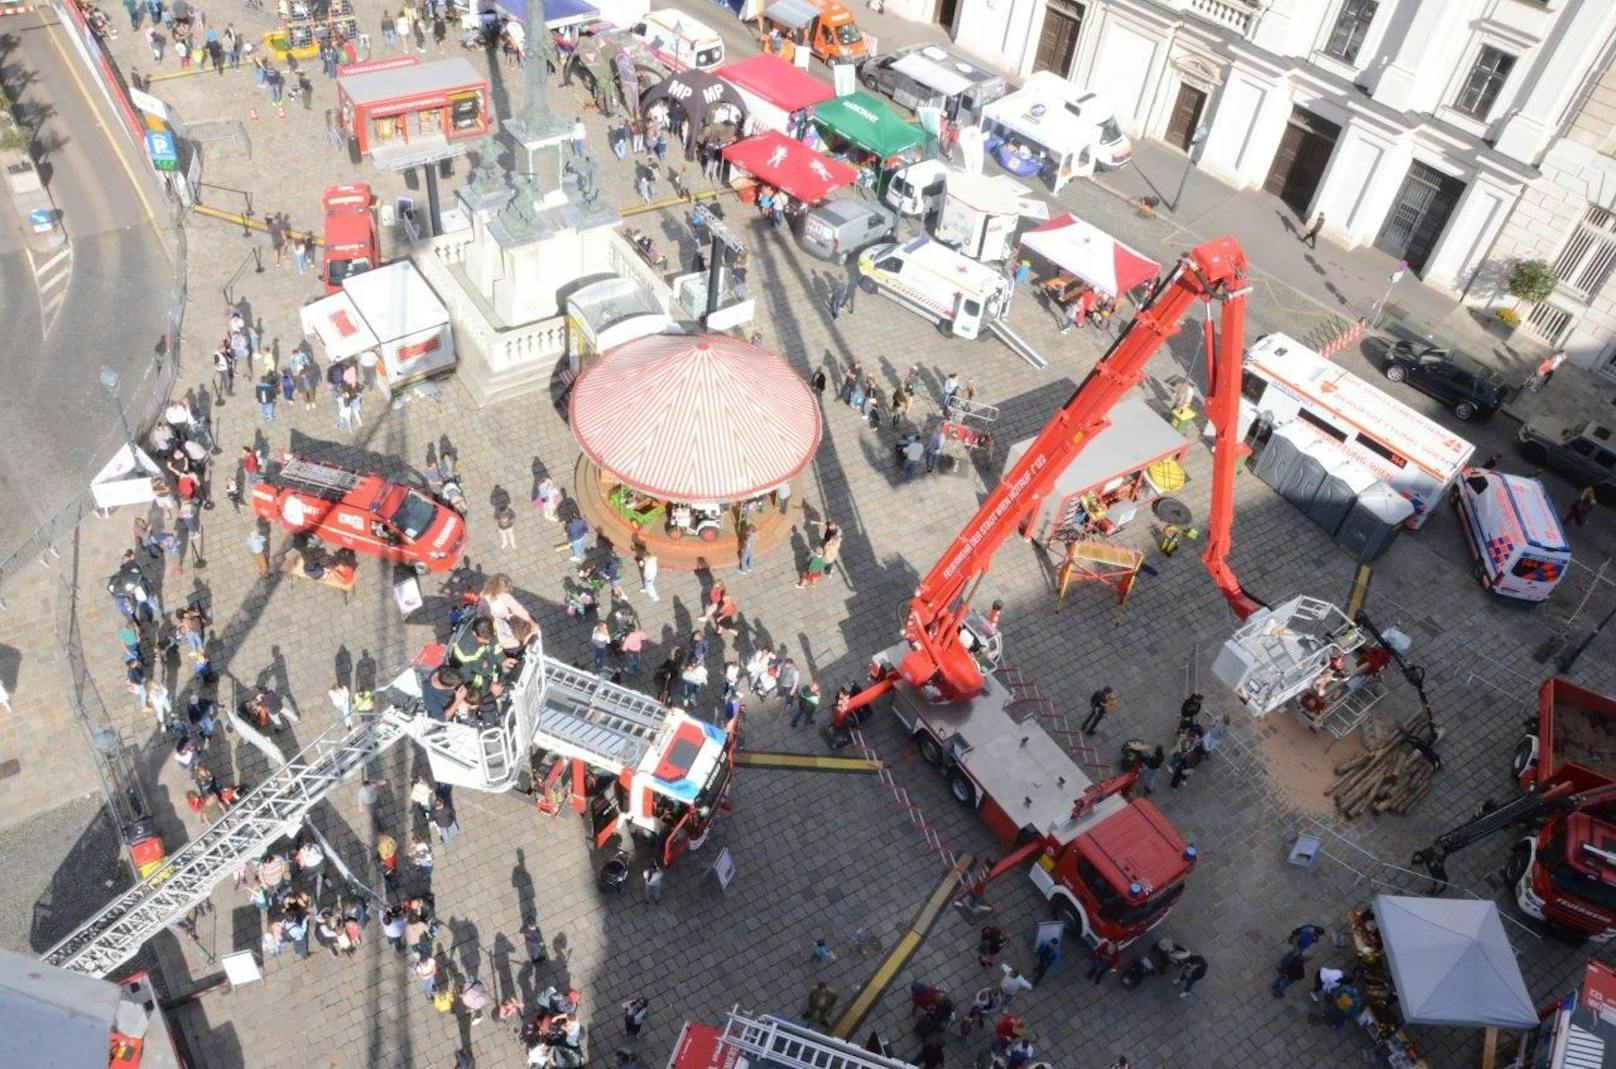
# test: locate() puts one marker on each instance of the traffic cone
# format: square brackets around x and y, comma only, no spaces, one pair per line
[252,114]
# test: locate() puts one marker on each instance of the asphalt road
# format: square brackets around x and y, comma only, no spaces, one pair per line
[63,319]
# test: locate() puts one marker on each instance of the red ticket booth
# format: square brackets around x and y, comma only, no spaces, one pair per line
[401,112]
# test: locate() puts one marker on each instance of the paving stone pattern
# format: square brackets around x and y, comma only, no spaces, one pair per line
[816,855]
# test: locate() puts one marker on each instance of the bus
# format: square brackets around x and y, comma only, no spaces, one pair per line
[1284,380]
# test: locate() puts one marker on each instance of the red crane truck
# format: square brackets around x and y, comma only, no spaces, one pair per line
[1577,1031]
[1111,866]
[1564,870]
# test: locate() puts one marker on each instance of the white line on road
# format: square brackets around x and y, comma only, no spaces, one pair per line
[40,269]
[52,275]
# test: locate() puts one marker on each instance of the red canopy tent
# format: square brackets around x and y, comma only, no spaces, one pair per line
[790,165]
[695,417]
[777,82]
[1091,254]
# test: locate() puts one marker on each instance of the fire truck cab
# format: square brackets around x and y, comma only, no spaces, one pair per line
[352,245]
[1111,869]
[625,760]
[364,513]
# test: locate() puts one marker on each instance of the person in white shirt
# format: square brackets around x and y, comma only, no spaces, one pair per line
[1326,981]
[342,702]
[1012,985]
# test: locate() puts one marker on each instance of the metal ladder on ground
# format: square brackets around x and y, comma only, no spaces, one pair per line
[317,476]
[184,879]
[595,720]
[784,1043]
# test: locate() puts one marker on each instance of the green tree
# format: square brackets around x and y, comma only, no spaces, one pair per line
[1532,280]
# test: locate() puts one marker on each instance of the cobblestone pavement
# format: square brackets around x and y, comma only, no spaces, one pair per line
[817,855]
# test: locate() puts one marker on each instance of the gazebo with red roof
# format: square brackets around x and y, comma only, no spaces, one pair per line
[676,423]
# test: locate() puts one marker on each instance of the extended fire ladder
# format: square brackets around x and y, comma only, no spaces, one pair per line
[773,1041]
[560,707]
[274,808]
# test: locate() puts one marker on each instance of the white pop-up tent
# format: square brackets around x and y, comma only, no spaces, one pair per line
[1452,964]
[1091,254]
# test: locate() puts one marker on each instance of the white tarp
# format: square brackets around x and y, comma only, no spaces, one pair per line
[125,480]
[1452,964]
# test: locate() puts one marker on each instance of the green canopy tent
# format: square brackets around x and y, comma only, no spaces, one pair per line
[869,124]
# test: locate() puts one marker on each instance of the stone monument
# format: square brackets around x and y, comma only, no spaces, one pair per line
[537,231]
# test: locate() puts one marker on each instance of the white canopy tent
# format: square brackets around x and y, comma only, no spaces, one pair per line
[1452,964]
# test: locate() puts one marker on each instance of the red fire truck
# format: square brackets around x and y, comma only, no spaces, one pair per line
[364,513]
[351,242]
[1564,871]
[1111,866]
[1577,1031]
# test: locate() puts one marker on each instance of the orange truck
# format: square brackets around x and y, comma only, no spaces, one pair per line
[824,27]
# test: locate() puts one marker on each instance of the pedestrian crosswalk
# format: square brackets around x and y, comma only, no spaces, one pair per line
[52,272]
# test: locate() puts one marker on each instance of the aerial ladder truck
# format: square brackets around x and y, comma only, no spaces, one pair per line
[667,777]
[1111,867]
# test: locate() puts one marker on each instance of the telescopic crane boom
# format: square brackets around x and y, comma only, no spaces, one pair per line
[1215,271]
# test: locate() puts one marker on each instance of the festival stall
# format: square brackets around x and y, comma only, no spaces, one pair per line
[1438,961]
[713,109]
[1135,460]
[684,438]
[401,112]
[560,16]
[390,311]
[869,134]
[605,314]
[778,96]
[1091,268]
[791,167]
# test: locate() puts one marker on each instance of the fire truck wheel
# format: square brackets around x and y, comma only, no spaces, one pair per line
[1523,756]
[930,749]
[963,790]
[1066,912]
[1515,867]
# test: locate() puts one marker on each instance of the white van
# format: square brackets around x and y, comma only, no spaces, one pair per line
[1283,380]
[918,188]
[1513,533]
[679,42]
[1049,127]
[931,279]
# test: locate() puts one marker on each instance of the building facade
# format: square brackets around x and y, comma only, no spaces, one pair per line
[1458,135]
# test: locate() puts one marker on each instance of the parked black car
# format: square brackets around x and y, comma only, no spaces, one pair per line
[1452,378]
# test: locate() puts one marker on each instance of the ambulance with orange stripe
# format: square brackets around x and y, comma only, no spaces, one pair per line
[1513,532]
[952,290]
[1284,381]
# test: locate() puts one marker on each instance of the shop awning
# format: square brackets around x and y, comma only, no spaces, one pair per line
[1091,254]
[790,165]
[778,82]
[1452,964]
[869,124]
[698,92]
[695,417]
[558,14]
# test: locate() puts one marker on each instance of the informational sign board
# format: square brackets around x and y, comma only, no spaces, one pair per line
[845,78]
[1047,931]
[149,104]
[160,146]
[724,869]
[241,968]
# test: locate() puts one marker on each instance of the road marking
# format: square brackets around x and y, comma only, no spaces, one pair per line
[84,91]
[53,274]
[802,762]
[871,992]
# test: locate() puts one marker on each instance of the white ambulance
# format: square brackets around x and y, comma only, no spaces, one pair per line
[1284,380]
[1513,533]
[931,279]
[679,42]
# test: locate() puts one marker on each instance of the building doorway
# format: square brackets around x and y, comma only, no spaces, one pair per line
[1187,112]
[1304,153]
[1057,44]
[1423,205]
[945,14]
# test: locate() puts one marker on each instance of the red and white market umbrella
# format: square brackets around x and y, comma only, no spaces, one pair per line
[1091,254]
[695,417]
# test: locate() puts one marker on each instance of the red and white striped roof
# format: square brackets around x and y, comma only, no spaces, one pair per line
[695,417]
[1091,254]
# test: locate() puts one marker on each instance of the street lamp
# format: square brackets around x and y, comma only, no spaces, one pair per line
[1196,137]
[110,380]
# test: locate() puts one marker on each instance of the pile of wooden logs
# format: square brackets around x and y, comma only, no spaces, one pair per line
[1387,778]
